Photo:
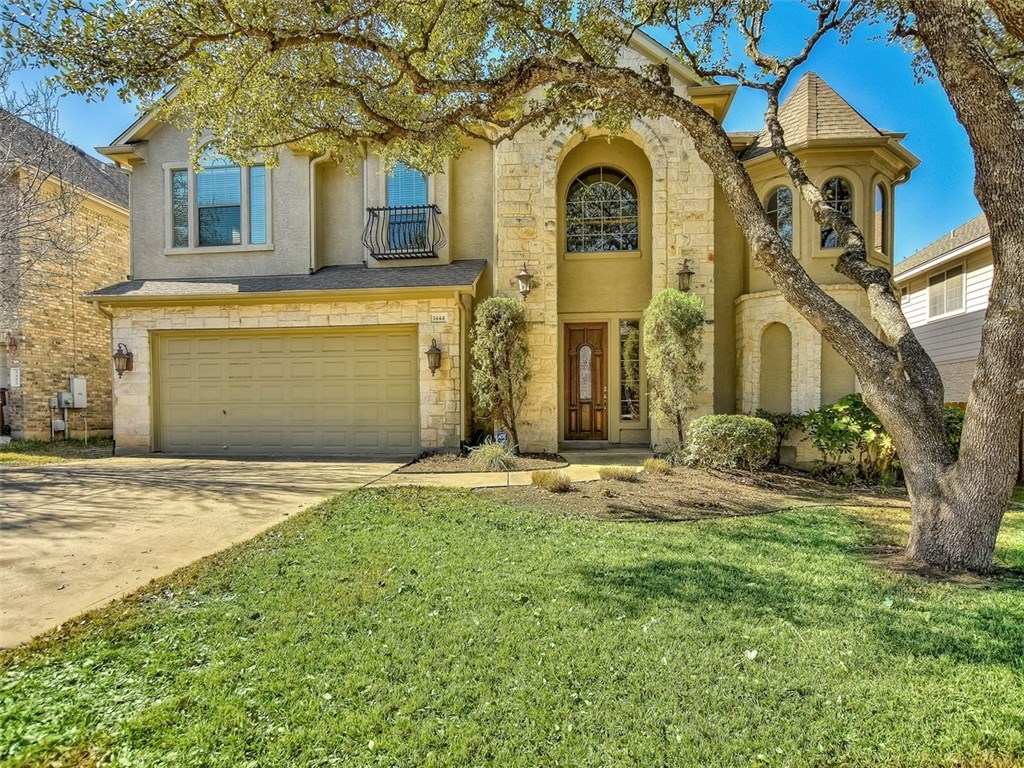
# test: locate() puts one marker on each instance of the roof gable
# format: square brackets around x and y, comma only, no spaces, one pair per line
[815,112]
[29,144]
[974,230]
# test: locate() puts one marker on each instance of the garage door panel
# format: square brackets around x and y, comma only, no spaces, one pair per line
[336,391]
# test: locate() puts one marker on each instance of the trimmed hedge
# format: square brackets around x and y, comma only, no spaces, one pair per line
[724,441]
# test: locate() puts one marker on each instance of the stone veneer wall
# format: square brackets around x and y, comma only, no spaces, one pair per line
[60,335]
[440,395]
[526,212]
[754,313]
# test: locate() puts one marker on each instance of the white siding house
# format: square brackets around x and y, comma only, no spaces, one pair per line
[944,290]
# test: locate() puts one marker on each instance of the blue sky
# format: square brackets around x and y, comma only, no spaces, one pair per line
[874,77]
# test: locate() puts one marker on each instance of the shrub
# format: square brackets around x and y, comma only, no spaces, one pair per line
[676,455]
[551,480]
[726,441]
[954,427]
[500,362]
[493,457]
[784,423]
[622,474]
[673,332]
[848,426]
[654,466]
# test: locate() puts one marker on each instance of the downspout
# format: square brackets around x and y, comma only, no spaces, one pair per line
[313,163]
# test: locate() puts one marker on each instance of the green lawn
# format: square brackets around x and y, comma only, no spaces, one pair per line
[432,628]
[32,452]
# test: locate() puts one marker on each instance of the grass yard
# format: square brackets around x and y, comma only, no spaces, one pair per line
[420,628]
[25,453]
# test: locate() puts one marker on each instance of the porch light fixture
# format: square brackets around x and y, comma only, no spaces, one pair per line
[12,343]
[123,360]
[433,357]
[685,274]
[525,281]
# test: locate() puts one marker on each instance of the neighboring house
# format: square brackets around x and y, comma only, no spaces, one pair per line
[49,332]
[944,292]
[290,309]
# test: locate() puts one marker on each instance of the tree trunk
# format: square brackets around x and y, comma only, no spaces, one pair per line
[953,525]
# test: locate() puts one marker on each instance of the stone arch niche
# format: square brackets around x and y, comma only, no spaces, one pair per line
[776,375]
[605,280]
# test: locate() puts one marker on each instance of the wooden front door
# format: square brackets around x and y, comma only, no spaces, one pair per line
[586,381]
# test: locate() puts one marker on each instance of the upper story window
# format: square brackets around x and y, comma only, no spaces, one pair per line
[405,186]
[602,213]
[408,226]
[839,195]
[881,219]
[946,292]
[779,207]
[221,205]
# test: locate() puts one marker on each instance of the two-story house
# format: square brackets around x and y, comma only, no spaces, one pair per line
[67,222]
[290,309]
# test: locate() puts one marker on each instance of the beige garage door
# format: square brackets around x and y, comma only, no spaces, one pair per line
[345,391]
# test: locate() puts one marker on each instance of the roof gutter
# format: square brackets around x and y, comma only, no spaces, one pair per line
[967,248]
[282,297]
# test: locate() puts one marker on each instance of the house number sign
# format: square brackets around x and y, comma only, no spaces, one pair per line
[440,317]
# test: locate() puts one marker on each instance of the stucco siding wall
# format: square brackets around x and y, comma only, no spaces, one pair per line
[340,213]
[440,395]
[288,253]
[471,191]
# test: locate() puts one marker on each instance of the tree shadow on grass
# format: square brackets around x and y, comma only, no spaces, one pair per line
[972,627]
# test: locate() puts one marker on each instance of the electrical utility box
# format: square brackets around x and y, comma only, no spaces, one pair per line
[64,400]
[78,393]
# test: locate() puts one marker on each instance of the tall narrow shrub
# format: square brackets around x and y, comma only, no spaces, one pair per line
[673,331]
[500,363]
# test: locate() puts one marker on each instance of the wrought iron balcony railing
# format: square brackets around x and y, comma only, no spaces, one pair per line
[404,232]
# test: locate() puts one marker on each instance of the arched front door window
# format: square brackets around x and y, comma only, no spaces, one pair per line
[838,194]
[602,213]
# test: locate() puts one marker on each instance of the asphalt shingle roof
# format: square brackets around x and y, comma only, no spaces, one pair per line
[337,278]
[973,230]
[814,111]
[29,143]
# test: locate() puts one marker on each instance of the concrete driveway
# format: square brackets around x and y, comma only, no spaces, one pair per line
[74,536]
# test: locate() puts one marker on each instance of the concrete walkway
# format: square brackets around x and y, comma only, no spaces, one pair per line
[583,466]
[74,536]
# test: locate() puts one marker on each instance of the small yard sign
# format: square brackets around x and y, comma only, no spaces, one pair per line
[501,437]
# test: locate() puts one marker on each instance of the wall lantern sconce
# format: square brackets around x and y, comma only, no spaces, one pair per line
[12,343]
[123,360]
[433,357]
[685,274]
[525,282]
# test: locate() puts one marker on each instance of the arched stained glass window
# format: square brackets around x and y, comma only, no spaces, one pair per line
[838,194]
[602,213]
[779,207]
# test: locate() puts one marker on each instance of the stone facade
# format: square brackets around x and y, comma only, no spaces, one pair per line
[59,335]
[441,395]
[526,177]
